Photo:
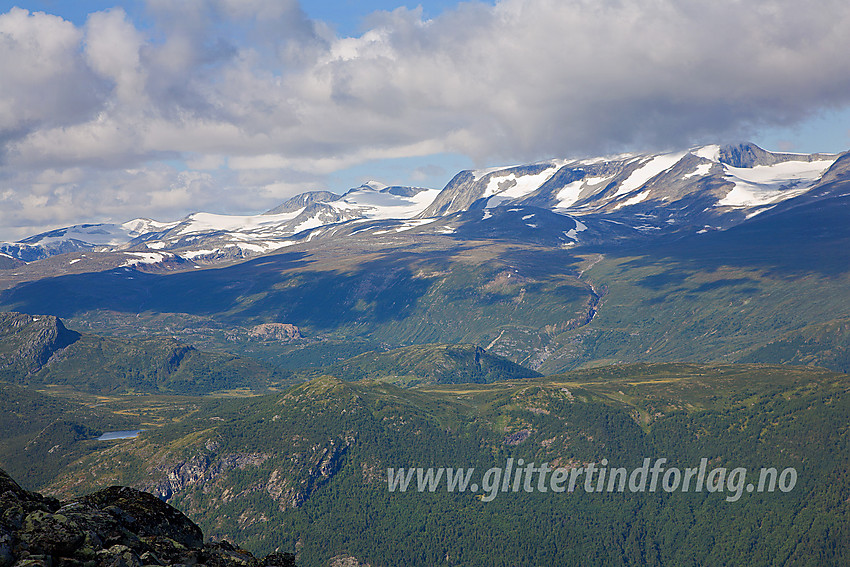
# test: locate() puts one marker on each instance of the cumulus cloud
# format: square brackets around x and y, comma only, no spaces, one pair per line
[44,82]
[240,91]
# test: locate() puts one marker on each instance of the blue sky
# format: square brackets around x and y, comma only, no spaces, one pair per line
[112,110]
[346,16]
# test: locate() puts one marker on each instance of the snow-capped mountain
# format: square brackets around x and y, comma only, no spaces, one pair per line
[207,237]
[79,237]
[557,202]
[711,185]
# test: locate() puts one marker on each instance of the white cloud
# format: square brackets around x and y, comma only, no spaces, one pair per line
[112,49]
[232,88]
[44,80]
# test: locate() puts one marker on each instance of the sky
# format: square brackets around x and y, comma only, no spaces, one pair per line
[116,110]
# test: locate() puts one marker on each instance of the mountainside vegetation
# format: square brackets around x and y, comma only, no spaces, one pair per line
[435,291]
[306,470]
[820,344]
[39,351]
[428,364]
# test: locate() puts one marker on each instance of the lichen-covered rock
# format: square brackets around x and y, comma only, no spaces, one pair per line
[144,515]
[51,534]
[114,527]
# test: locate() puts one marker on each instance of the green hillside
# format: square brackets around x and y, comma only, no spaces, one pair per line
[39,351]
[28,342]
[674,309]
[820,344]
[42,434]
[306,470]
[429,364]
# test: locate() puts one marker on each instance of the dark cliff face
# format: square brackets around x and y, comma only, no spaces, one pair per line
[117,526]
[27,342]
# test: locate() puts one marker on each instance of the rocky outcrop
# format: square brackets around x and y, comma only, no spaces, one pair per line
[347,561]
[200,470]
[115,527]
[517,437]
[321,465]
[276,332]
[304,200]
[290,483]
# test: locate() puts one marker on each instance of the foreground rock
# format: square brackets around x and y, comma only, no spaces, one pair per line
[116,527]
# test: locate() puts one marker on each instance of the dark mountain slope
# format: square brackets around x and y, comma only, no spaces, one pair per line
[430,364]
[398,291]
[38,351]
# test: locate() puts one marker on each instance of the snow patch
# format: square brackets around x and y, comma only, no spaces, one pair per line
[380,205]
[312,222]
[570,193]
[137,227]
[143,258]
[375,185]
[251,247]
[711,153]
[518,186]
[701,169]
[95,234]
[191,255]
[209,222]
[482,173]
[769,184]
[633,200]
[413,223]
[573,232]
[655,166]
[759,211]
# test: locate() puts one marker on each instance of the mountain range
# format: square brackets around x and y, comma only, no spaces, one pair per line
[564,201]
[712,254]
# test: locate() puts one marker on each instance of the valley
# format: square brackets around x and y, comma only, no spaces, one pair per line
[305,469]
[689,306]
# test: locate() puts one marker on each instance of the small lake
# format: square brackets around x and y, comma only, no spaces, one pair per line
[113,435]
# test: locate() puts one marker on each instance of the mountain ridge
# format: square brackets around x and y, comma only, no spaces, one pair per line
[704,188]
